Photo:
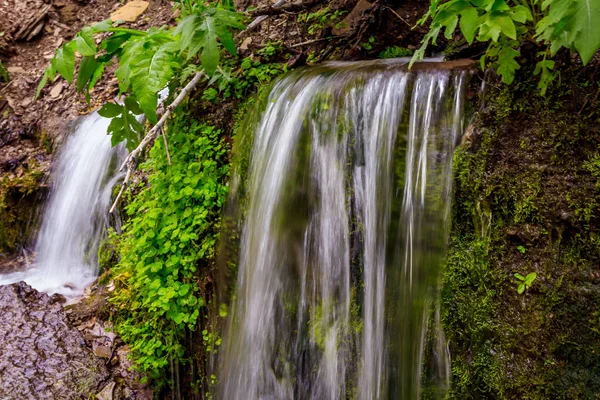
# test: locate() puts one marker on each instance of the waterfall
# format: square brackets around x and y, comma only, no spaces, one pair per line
[77,211]
[347,198]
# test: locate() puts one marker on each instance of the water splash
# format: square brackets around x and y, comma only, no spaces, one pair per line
[347,202]
[76,214]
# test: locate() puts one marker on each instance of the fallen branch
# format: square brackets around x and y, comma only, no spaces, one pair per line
[314,41]
[277,8]
[152,134]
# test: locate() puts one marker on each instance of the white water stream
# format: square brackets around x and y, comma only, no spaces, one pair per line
[348,193]
[76,214]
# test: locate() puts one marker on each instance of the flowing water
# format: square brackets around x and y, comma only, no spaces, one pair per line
[347,198]
[77,212]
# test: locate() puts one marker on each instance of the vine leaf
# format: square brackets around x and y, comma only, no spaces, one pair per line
[124,124]
[84,42]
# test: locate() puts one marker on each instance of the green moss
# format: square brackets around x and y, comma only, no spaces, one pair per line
[4,77]
[526,200]
[18,202]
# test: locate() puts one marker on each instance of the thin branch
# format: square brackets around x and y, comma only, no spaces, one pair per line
[314,41]
[151,135]
[398,15]
[166,145]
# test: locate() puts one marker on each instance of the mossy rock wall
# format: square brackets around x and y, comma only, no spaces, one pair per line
[527,194]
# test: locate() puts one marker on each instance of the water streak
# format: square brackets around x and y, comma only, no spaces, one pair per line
[77,212]
[346,220]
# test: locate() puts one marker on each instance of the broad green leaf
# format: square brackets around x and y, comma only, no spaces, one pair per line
[587,19]
[114,42]
[87,67]
[498,5]
[521,288]
[210,52]
[507,26]
[110,110]
[98,72]
[151,70]
[84,42]
[64,62]
[520,277]
[468,23]
[123,73]
[488,28]
[507,64]
[520,14]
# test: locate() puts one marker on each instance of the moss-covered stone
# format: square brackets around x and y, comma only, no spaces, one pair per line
[527,198]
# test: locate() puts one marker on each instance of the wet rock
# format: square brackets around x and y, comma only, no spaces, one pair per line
[41,355]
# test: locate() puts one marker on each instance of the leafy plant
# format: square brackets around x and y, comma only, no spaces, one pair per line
[368,45]
[321,19]
[171,232]
[148,61]
[525,282]
[522,249]
[395,52]
[506,24]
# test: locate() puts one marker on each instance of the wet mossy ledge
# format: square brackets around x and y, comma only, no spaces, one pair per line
[527,199]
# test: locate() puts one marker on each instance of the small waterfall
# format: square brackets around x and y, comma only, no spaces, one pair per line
[347,199]
[77,212]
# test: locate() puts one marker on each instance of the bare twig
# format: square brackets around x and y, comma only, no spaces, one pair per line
[397,15]
[151,135]
[166,144]
[314,41]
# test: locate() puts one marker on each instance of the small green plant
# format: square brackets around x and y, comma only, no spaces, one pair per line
[4,77]
[524,282]
[368,45]
[505,24]
[395,52]
[522,249]
[319,20]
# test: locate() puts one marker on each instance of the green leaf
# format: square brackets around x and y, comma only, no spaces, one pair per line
[151,70]
[123,73]
[507,64]
[544,68]
[521,288]
[210,52]
[114,42]
[488,29]
[102,26]
[87,67]
[41,85]
[64,62]
[530,278]
[587,19]
[84,42]
[520,277]
[468,23]
[124,124]
[507,26]
[110,110]
[520,14]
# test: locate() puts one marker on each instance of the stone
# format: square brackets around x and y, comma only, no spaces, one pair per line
[56,90]
[107,392]
[16,70]
[43,359]
[130,11]
[102,351]
[245,43]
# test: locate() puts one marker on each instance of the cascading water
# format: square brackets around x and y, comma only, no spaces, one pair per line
[77,212]
[347,198]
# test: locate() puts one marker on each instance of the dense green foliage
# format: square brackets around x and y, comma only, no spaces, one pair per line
[506,24]
[148,61]
[168,244]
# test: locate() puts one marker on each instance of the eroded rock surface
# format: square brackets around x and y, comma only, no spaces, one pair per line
[41,355]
